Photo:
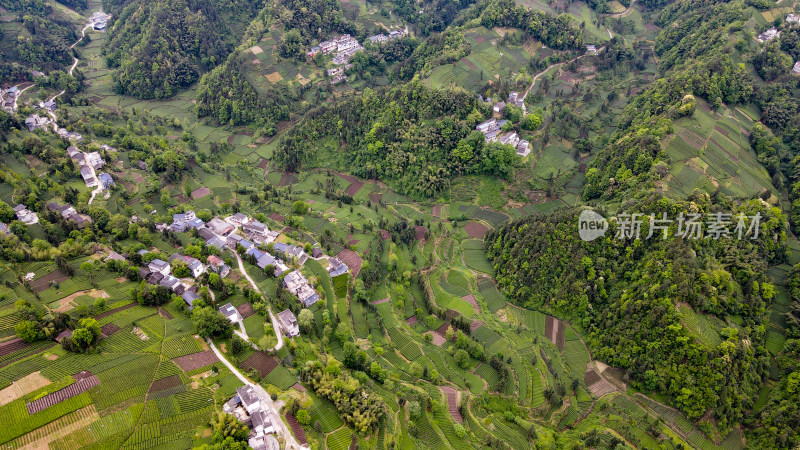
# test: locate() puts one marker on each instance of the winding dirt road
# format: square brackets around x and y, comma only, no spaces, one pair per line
[275,325]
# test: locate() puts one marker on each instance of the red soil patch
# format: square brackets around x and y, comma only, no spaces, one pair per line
[81,375]
[375,197]
[43,283]
[383,300]
[469,64]
[200,193]
[276,217]
[480,39]
[452,405]
[412,320]
[115,310]
[261,362]
[196,360]
[471,300]
[420,232]
[474,326]
[180,198]
[246,310]
[299,387]
[385,235]
[297,429]
[352,242]
[437,211]
[164,313]
[554,331]
[724,132]
[288,178]
[166,383]
[109,329]
[650,26]
[475,229]
[355,183]
[352,260]
[263,164]
[59,396]
[14,345]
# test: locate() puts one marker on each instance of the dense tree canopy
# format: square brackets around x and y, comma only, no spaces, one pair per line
[624,294]
[411,136]
[161,47]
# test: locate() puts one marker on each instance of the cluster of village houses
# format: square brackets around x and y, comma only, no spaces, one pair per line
[248,408]
[773,33]
[345,46]
[492,129]
[35,122]
[89,163]
[99,20]
[222,234]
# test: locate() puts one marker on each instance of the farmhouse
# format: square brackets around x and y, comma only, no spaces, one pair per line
[25,215]
[511,138]
[178,227]
[216,242]
[327,46]
[288,323]
[499,107]
[206,234]
[298,285]
[95,160]
[291,251]
[88,177]
[793,18]
[336,267]
[523,148]
[169,282]
[35,121]
[378,38]
[232,241]
[769,35]
[592,49]
[159,266]
[189,296]
[247,407]
[183,217]
[219,226]
[239,219]
[487,126]
[394,34]
[256,228]
[231,313]
[515,99]
[196,223]
[218,266]
[105,180]
[112,255]
[196,268]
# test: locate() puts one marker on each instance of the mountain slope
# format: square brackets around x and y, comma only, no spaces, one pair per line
[161,47]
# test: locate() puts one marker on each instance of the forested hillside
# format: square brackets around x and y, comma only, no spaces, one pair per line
[415,138]
[42,43]
[625,294]
[162,47]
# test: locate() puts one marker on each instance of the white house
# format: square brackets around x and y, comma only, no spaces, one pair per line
[160,266]
[288,323]
[231,313]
